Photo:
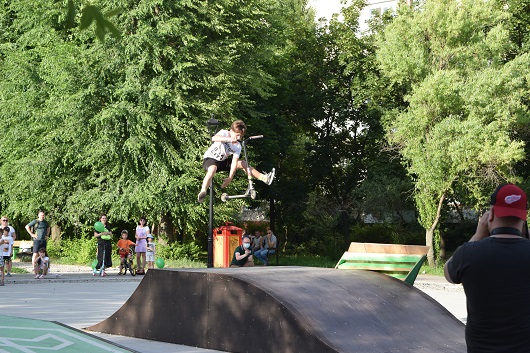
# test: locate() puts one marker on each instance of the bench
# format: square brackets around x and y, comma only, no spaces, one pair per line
[399,261]
[22,248]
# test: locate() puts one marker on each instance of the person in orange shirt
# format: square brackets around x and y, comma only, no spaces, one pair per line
[124,245]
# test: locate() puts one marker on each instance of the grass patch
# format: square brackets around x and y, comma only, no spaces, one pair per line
[18,270]
[433,271]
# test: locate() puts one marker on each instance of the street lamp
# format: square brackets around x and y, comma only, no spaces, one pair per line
[213,125]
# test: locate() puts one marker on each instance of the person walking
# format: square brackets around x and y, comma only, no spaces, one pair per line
[39,230]
[494,269]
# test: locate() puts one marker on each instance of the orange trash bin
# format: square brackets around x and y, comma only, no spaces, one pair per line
[225,241]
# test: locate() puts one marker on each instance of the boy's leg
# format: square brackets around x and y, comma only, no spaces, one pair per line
[210,172]
[266,178]
[8,265]
[2,281]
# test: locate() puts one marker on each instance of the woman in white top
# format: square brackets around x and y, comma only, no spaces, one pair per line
[142,230]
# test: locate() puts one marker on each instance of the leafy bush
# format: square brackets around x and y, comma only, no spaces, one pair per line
[176,251]
[388,234]
[77,251]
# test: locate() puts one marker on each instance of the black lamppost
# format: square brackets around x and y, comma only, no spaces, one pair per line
[212,125]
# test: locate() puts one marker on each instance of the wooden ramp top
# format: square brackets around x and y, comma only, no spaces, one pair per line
[388,248]
[286,309]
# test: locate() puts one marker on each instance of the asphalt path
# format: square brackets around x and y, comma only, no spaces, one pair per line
[80,300]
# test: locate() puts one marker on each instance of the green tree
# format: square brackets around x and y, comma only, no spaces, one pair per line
[463,97]
[118,126]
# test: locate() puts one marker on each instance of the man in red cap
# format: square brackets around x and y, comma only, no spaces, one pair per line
[494,269]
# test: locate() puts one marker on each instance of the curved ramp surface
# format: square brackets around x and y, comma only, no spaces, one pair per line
[286,309]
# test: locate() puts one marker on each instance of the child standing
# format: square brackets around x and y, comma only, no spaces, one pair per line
[7,249]
[225,144]
[41,264]
[2,263]
[151,251]
[124,245]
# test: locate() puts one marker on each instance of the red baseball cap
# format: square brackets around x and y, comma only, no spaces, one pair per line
[509,201]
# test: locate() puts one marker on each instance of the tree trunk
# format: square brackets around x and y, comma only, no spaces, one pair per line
[272,215]
[442,247]
[56,233]
[166,227]
[429,234]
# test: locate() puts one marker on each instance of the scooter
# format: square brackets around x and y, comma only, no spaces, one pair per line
[250,189]
[101,271]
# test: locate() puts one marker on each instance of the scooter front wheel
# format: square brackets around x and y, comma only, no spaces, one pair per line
[253,194]
[224,197]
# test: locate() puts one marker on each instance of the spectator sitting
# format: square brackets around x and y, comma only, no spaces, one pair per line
[268,244]
[256,242]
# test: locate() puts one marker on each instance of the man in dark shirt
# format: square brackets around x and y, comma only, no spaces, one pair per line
[494,269]
[243,255]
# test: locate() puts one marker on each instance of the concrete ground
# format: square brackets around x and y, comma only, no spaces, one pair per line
[80,300]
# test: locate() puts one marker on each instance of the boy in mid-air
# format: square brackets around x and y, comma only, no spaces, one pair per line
[225,144]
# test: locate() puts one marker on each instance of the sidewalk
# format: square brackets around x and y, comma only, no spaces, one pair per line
[72,296]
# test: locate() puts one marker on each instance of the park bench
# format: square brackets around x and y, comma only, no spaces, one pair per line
[399,261]
[22,248]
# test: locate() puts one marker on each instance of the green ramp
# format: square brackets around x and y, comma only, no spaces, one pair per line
[29,335]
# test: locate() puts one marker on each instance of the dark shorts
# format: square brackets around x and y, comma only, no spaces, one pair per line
[7,258]
[37,244]
[222,166]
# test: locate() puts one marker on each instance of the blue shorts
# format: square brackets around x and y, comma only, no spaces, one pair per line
[37,244]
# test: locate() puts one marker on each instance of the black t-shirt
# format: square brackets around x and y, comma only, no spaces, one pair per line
[241,250]
[495,273]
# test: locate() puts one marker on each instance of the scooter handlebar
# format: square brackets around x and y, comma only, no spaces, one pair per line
[255,137]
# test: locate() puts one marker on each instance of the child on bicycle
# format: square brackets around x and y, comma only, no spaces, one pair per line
[225,144]
[124,245]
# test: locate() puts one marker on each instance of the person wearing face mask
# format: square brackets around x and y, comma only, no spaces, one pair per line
[243,255]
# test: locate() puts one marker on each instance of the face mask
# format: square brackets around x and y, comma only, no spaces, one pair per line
[246,245]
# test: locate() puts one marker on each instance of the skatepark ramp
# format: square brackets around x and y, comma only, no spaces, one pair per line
[285,309]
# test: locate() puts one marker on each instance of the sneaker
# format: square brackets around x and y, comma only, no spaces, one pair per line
[270,176]
[201,196]
[42,276]
[8,274]
[1,284]
[37,277]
